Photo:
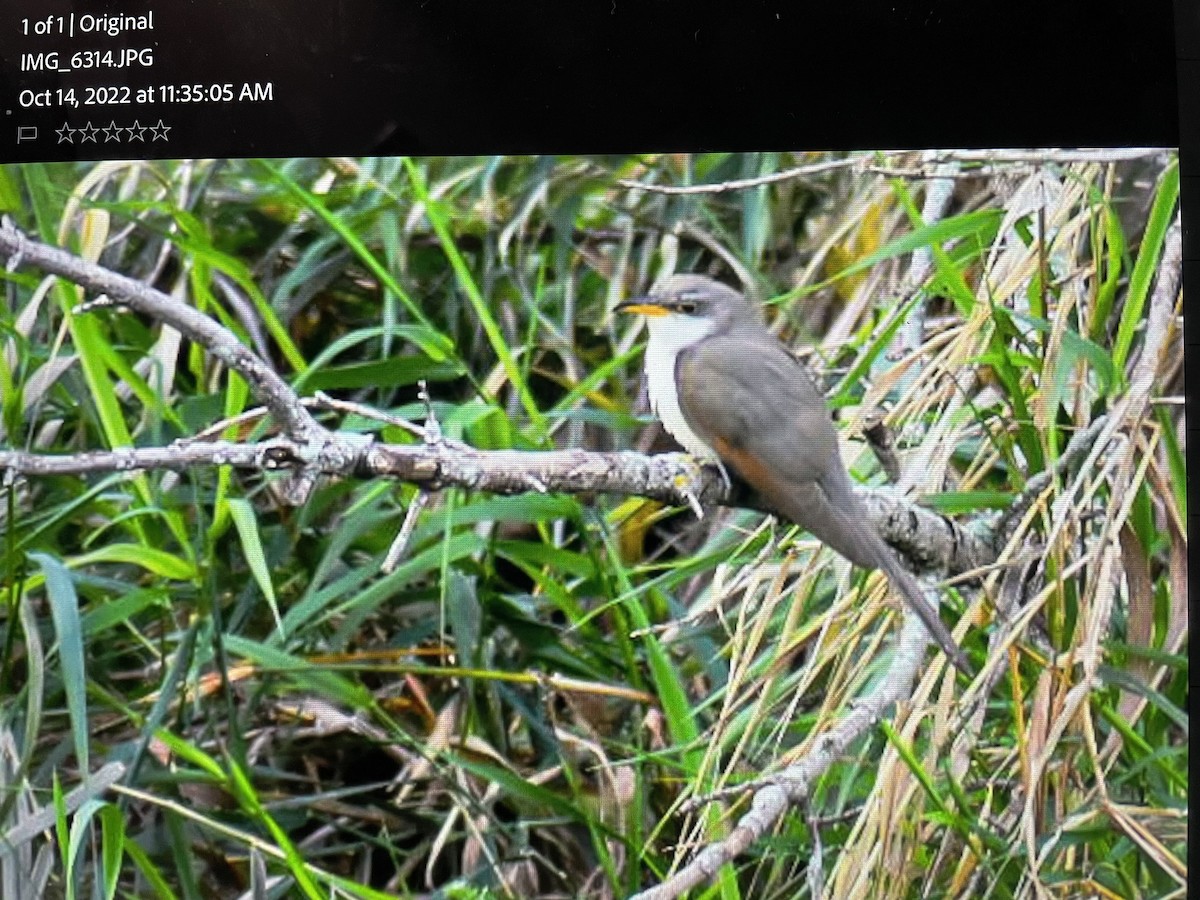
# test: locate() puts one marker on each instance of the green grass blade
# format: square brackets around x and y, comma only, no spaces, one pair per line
[153,875]
[307,676]
[346,233]
[244,790]
[1113,237]
[153,560]
[1147,261]
[64,610]
[467,282]
[246,523]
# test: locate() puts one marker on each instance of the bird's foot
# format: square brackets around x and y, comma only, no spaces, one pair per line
[690,482]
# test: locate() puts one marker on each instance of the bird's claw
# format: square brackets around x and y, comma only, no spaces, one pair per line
[687,483]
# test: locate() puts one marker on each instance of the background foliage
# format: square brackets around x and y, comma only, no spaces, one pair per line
[521,706]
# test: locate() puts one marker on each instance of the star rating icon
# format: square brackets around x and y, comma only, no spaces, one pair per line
[112,132]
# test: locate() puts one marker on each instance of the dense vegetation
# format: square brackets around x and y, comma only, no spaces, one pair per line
[524,706]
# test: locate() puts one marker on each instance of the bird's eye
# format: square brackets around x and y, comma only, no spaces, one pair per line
[687,302]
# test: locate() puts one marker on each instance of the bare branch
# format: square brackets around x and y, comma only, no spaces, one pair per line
[933,158]
[1098,155]
[274,392]
[936,172]
[273,455]
[927,538]
[742,184]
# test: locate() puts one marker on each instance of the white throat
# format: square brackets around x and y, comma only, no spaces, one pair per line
[668,335]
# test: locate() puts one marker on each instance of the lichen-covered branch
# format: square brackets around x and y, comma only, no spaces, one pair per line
[926,537]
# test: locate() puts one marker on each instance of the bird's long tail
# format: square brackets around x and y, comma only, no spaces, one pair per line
[916,599]
[833,513]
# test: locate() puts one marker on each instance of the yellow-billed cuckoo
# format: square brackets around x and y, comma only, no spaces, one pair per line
[731,393]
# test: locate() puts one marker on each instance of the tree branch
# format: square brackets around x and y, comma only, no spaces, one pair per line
[275,393]
[934,158]
[927,538]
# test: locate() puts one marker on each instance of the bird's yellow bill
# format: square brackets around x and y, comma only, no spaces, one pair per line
[646,309]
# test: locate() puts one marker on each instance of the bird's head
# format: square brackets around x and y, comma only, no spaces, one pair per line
[692,306]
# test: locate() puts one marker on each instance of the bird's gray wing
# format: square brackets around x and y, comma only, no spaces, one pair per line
[754,403]
[740,391]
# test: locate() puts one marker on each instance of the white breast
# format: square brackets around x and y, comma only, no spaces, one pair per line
[669,335]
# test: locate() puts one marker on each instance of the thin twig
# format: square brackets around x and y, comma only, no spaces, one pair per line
[922,173]
[367,412]
[1103,155]
[741,184]
[243,418]
[1097,155]
[400,544]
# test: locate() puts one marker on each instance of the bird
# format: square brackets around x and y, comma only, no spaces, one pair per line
[733,395]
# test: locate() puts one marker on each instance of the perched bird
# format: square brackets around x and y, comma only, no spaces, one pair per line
[730,392]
